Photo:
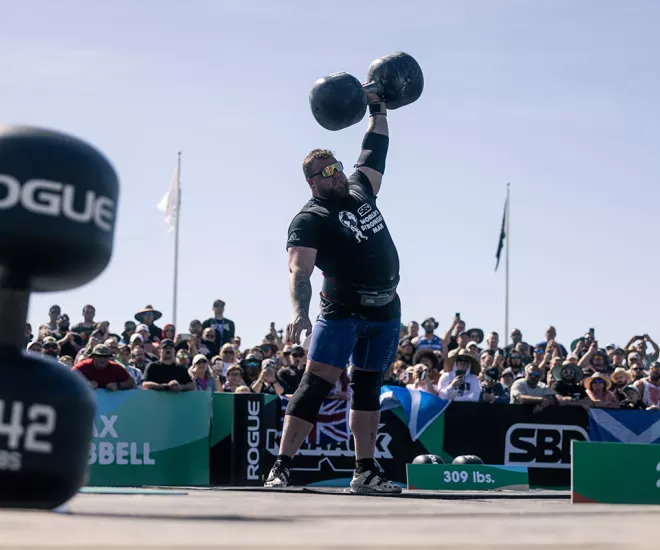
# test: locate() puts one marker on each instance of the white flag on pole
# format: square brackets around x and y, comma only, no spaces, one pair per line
[170,202]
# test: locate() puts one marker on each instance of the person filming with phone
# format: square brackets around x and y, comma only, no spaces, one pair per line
[420,379]
[460,382]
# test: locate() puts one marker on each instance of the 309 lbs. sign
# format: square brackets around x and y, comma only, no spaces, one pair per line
[541,445]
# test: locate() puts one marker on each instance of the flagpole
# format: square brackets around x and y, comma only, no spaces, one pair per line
[176,241]
[506,276]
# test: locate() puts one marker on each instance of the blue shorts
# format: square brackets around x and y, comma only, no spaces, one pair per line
[369,345]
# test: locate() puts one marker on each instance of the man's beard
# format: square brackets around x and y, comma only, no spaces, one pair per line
[336,192]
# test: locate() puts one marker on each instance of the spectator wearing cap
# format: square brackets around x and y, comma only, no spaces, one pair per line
[102,373]
[147,316]
[632,400]
[406,351]
[531,391]
[144,333]
[617,357]
[234,379]
[639,344]
[649,388]
[202,376]
[165,374]
[620,379]
[95,338]
[267,381]
[129,330]
[182,358]
[473,349]
[49,347]
[224,327]
[87,326]
[428,340]
[491,390]
[567,385]
[598,389]
[506,379]
[485,359]
[460,381]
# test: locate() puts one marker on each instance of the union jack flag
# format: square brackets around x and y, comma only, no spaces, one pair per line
[331,425]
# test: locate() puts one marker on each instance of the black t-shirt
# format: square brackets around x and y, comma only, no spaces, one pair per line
[161,373]
[225,330]
[569,390]
[83,331]
[354,247]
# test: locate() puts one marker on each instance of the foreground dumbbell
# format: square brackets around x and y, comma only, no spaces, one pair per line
[467,459]
[428,459]
[340,100]
[58,201]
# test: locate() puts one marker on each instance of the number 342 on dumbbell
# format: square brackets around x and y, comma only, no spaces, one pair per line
[23,431]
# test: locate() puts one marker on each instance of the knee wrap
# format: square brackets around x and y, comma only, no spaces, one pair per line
[365,386]
[308,398]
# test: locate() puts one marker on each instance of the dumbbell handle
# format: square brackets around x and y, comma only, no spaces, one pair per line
[13,315]
[370,88]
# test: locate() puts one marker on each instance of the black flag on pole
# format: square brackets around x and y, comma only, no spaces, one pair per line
[500,245]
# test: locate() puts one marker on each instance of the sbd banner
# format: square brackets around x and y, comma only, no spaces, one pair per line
[150,438]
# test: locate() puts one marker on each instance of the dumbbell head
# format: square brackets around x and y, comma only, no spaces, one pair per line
[428,459]
[47,413]
[338,101]
[397,79]
[58,202]
[467,459]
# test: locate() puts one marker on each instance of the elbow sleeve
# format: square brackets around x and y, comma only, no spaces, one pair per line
[374,152]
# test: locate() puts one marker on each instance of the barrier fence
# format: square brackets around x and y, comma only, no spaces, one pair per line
[201,439]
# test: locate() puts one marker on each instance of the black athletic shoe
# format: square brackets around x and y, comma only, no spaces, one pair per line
[279,476]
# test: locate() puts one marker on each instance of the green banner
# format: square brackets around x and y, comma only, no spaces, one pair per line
[150,438]
[594,464]
[470,477]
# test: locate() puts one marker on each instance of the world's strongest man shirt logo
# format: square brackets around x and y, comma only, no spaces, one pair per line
[373,221]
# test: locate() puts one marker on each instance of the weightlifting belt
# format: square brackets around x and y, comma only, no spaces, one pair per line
[351,295]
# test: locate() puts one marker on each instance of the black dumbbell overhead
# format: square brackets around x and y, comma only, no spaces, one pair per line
[58,202]
[340,100]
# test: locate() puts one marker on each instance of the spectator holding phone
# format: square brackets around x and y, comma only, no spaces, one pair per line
[491,390]
[639,344]
[421,380]
[460,382]
[267,381]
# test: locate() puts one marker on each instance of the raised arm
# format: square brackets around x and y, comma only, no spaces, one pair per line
[375,144]
[301,267]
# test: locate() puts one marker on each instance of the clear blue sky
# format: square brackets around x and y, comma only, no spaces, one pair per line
[559,97]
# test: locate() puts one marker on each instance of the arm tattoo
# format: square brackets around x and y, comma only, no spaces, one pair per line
[300,288]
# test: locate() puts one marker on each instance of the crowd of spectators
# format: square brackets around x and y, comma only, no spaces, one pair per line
[461,365]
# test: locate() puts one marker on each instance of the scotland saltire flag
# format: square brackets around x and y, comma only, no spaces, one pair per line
[624,426]
[421,408]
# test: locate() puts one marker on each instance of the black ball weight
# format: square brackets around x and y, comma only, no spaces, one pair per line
[428,459]
[338,101]
[398,79]
[47,417]
[467,459]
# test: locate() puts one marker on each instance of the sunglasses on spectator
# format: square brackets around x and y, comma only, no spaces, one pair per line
[596,381]
[252,364]
[50,346]
[329,170]
[534,374]
[297,354]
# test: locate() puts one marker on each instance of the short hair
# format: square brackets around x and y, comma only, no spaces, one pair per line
[312,156]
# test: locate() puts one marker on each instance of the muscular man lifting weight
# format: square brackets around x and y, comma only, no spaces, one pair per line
[342,232]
